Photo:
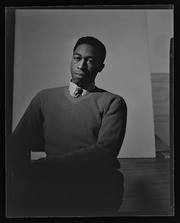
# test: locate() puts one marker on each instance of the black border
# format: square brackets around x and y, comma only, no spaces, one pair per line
[9,11]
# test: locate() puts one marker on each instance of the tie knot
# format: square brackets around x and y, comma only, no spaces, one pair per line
[78,92]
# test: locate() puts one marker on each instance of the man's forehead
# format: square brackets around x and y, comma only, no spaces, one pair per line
[85,49]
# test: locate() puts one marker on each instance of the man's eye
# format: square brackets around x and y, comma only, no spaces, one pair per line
[91,61]
[76,58]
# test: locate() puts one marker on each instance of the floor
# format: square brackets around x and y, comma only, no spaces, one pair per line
[147,187]
[148,184]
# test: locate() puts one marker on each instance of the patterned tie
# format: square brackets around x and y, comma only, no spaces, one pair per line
[78,92]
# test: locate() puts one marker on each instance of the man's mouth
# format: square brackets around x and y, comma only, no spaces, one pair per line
[80,74]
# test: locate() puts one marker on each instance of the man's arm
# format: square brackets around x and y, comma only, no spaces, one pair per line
[27,135]
[110,138]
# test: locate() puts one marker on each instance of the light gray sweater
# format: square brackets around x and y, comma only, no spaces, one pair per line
[88,128]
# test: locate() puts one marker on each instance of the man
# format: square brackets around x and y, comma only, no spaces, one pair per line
[80,127]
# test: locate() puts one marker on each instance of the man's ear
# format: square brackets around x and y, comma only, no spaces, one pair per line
[101,67]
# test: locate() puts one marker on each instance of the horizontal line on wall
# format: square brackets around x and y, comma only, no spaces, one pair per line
[161,118]
[160,77]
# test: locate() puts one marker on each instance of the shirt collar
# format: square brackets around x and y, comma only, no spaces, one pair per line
[73,88]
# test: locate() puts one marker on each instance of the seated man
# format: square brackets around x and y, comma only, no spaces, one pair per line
[81,129]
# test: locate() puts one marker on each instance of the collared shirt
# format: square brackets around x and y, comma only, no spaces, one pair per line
[73,89]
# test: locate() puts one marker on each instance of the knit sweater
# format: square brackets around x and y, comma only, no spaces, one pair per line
[88,128]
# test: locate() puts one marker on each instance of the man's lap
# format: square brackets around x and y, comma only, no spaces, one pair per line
[70,190]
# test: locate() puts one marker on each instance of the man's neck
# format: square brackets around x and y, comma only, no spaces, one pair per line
[84,86]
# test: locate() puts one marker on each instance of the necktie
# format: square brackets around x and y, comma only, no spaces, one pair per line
[78,92]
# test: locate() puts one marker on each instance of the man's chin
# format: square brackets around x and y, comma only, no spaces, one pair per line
[77,81]
[81,82]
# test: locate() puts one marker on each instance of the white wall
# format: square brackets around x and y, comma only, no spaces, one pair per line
[43,50]
[160,31]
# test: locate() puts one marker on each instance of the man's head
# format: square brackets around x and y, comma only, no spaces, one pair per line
[88,59]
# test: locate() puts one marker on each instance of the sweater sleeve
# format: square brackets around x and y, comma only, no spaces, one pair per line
[28,135]
[110,137]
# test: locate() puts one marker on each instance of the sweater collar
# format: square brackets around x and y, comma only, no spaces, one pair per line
[73,88]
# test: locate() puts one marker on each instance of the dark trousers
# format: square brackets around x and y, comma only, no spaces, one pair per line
[50,190]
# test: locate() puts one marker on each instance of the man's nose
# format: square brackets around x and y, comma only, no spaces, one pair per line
[81,64]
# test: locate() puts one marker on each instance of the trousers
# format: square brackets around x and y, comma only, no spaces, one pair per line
[51,190]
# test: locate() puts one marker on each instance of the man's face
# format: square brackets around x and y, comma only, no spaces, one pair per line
[85,65]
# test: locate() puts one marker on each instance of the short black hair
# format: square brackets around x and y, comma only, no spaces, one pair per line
[97,44]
